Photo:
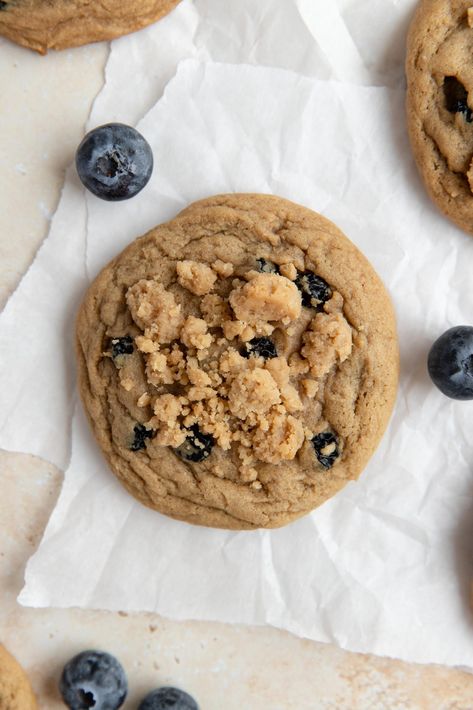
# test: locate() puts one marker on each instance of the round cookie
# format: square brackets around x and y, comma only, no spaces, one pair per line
[440,103]
[57,24]
[238,364]
[15,688]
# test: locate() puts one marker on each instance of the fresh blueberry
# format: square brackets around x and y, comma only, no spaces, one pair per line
[197,446]
[114,161]
[450,362]
[259,347]
[314,290]
[93,679]
[456,98]
[326,448]
[122,346]
[140,433]
[168,699]
[267,267]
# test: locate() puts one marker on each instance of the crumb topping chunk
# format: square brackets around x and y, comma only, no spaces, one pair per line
[239,372]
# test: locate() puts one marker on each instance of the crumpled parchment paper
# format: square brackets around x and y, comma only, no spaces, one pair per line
[305,100]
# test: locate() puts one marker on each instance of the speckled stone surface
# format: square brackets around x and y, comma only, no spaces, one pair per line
[223,666]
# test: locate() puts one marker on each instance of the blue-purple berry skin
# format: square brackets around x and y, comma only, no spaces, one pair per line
[314,290]
[456,98]
[450,362]
[320,442]
[93,679]
[114,161]
[259,347]
[168,698]
[140,434]
[197,445]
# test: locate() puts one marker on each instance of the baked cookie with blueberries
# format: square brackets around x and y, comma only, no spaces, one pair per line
[15,688]
[440,103]
[58,24]
[238,364]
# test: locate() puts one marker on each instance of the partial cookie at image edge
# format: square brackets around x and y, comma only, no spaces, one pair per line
[60,25]
[440,127]
[15,689]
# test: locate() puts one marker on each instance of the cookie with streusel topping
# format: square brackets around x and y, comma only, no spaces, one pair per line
[238,364]
[440,103]
[15,689]
[57,24]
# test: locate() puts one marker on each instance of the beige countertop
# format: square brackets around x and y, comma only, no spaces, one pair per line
[44,104]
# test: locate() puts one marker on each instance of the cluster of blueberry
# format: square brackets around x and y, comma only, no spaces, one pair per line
[94,679]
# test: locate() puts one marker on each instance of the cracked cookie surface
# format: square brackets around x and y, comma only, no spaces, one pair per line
[58,24]
[238,364]
[440,103]
[15,688]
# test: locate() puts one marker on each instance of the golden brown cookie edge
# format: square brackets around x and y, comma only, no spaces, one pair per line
[426,155]
[376,425]
[16,692]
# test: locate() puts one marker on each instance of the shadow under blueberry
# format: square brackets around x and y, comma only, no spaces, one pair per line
[413,366]
[395,51]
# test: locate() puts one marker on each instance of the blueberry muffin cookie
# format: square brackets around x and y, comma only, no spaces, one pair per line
[15,688]
[238,364]
[440,102]
[57,24]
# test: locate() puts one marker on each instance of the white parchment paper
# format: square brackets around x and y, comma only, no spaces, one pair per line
[305,100]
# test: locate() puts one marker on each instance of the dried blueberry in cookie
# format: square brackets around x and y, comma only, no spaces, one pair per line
[121,346]
[114,161]
[168,698]
[450,362]
[456,97]
[326,448]
[315,291]
[259,347]
[267,267]
[197,446]
[140,434]
[235,383]
[440,103]
[93,679]
[3,5]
